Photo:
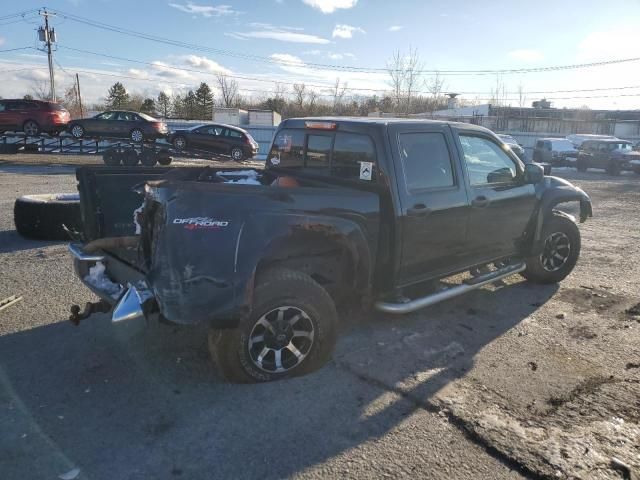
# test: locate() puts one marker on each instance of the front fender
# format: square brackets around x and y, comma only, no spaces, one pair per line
[551,192]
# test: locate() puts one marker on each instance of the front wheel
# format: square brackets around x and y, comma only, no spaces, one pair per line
[180,143]
[559,254]
[581,165]
[77,131]
[291,331]
[237,154]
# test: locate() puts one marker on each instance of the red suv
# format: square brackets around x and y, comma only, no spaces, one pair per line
[33,117]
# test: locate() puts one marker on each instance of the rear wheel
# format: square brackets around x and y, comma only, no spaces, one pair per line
[137,135]
[560,251]
[237,154]
[291,331]
[31,128]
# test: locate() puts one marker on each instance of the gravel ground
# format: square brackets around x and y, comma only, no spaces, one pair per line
[521,381]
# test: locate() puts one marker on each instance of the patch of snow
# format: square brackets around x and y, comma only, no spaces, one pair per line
[137,212]
[245,181]
[98,279]
[250,177]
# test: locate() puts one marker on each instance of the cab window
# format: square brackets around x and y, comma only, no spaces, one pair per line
[353,154]
[486,162]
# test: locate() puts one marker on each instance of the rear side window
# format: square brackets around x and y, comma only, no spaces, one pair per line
[234,133]
[55,106]
[353,154]
[425,160]
[2,107]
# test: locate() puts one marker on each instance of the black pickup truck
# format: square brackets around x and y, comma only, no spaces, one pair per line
[372,210]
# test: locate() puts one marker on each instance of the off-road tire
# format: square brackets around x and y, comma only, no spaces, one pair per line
[614,169]
[535,271]
[275,288]
[130,158]
[41,217]
[581,165]
[164,159]
[148,157]
[112,157]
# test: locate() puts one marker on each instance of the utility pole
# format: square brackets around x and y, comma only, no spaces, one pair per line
[79,97]
[48,36]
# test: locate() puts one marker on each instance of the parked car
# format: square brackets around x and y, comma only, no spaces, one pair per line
[514,145]
[216,138]
[612,155]
[32,117]
[556,151]
[345,208]
[119,124]
[578,138]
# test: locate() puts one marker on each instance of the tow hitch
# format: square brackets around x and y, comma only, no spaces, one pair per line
[90,308]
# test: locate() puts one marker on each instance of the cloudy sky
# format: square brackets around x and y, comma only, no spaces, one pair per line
[172,45]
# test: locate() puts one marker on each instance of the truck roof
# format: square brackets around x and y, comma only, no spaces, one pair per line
[382,121]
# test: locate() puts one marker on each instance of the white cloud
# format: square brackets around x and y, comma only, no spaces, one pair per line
[345,31]
[165,70]
[142,74]
[607,45]
[207,11]
[287,59]
[206,64]
[395,28]
[340,56]
[281,34]
[526,55]
[330,6]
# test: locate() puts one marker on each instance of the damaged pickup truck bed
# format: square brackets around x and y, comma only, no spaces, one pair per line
[365,210]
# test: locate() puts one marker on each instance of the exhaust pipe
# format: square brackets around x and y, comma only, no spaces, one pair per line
[466,286]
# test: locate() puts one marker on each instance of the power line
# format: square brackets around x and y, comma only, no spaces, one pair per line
[270,60]
[18,14]
[15,49]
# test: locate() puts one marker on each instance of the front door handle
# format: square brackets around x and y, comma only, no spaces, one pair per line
[418,210]
[480,202]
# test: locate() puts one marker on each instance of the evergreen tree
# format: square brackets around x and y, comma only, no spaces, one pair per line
[190,103]
[148,106]
[164,104]
[117,97]
[177,106]
[204,102]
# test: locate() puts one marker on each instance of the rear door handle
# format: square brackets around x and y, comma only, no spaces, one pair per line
[480,202]
[418,210]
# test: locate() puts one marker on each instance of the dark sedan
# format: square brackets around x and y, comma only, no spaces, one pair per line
[119,124]
[222,139]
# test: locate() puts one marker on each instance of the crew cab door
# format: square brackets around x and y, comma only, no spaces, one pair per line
[501,204]
[433,201]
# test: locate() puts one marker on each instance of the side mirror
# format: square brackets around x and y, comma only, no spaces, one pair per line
[533,173]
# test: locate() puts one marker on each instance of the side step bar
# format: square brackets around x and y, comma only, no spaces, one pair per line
[466,286]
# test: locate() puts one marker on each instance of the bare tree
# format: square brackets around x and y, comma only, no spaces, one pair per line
[395,69]
[228,90]
[498,93]
[312,98]
[40,90]
[435,85]
[404,77]
[299,95]
[338,92]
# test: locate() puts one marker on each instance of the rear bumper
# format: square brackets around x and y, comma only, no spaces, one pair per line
[115,282]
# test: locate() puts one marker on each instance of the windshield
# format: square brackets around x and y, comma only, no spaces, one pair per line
[148,118]
[620,146]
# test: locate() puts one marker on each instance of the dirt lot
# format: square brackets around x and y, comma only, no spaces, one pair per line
[518,381]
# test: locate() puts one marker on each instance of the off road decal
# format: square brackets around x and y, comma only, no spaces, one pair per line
[200,223]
